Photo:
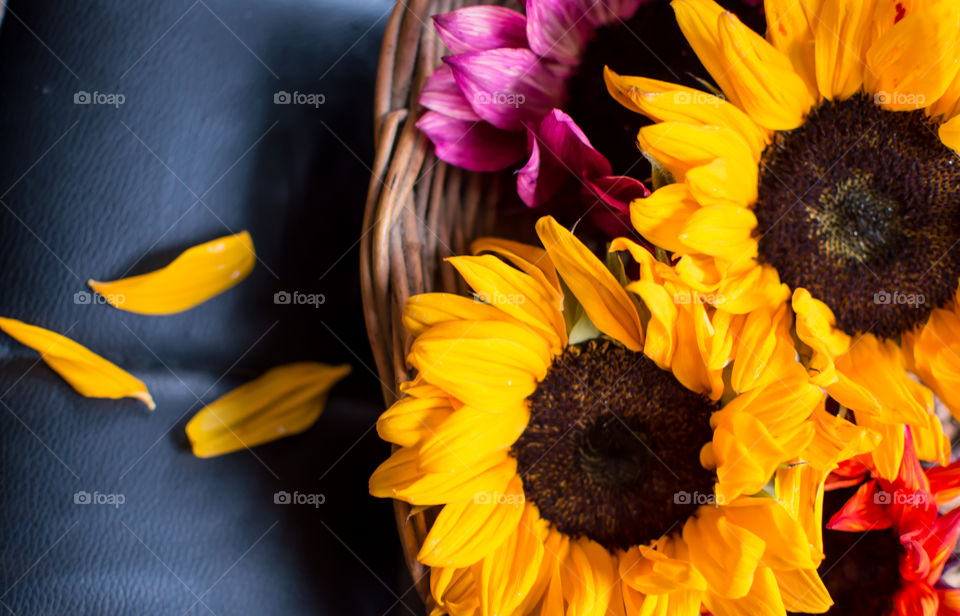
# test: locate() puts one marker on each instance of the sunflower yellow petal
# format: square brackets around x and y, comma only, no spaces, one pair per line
[465,532]
[531,259]
[509,573]
[763,599]
[660,218]
[663,101]
[842,32]
[661,334]
[803,591]
[764,350]
[195,276]
[799,488]
[400,477]
[469,436]
[817,327]
[721,231]
[786,544]
[680,147]
[409,420]
[426,309]
[489,365]
[717,183]
[766,85]
[455,591]
[283,401]
[517,294]
[603,298]
[589,576]
[790,31]
[747,290]
[725,554]
[837,439]
[698,20]
[950,133]
[657,569]
[888,454]
[690,358]
[88,373]
[914,62]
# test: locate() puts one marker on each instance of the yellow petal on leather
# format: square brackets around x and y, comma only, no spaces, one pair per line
[603,298]
[509,573]
[88,373]
[489,365]
[663,101]
[531,259]
[660,218]
[913,63]
[716,184]
[763,599]
[698,20]
[283,401]
[950,134]
[427,309]
[789,30]
[787,546]
[469,436]
[803,591]
[399,477]
[661,334]
[721,231]
[195,276]
[680,147]
[766,85]
[410,420]
[724,554]
[515,293]
[589,576]
[842,33]
[465,532]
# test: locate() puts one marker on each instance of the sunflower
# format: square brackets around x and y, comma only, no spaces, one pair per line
[584,453]
[823,177]
[888,541]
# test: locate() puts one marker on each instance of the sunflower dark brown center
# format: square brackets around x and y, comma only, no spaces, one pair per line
[861,570]
[612,448]
[861,207]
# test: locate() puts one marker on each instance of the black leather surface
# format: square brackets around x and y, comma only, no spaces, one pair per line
[198,149]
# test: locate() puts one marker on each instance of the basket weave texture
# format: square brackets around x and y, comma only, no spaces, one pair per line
[419,211]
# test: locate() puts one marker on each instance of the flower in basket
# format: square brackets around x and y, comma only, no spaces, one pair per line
[584,450]
[823,183]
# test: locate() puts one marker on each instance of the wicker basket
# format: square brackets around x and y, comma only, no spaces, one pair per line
[419,211]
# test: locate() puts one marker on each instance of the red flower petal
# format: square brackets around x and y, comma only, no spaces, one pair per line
[864,511]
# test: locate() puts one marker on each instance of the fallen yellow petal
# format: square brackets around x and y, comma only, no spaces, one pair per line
[285,400]
[195,276]
[85,371]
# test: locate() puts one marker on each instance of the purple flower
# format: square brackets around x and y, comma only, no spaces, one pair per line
[497,101]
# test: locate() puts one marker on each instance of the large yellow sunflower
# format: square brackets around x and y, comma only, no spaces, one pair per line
[585,454]
[823,179]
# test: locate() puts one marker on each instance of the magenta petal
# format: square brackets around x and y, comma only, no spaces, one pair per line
[480,28]
[609,199]
[507,87]
[560,153]
[475,146]
[612,11]
[442,94]
[558,29]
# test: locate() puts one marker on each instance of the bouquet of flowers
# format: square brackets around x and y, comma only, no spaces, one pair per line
[711,385]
